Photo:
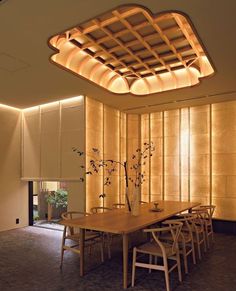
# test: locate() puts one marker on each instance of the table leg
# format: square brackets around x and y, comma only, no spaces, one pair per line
[125,260]
[81,248]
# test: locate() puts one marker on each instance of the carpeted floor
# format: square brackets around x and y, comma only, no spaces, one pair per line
[29,260]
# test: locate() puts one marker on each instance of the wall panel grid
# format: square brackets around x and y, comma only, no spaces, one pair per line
[106,131]
[195,156]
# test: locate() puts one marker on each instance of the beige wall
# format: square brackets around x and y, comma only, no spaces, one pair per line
[13,192]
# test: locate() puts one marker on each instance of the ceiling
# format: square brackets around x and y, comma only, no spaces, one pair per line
[28,78]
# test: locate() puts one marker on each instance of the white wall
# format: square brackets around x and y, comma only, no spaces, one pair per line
[13,192]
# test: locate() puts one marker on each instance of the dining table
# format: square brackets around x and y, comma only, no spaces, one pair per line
[119,221]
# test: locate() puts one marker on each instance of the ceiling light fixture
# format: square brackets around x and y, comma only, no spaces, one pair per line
[130,50]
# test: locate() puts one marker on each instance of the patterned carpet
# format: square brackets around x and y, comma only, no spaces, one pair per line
[29,260]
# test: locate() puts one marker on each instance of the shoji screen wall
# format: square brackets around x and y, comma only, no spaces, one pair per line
[133,143]
[223,154]
[195,156]
[94,139]
[105,131]
[199,154]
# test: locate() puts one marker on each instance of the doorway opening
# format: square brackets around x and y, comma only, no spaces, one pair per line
[48,201]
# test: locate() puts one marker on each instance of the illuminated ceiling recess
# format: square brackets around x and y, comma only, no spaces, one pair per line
[129,50]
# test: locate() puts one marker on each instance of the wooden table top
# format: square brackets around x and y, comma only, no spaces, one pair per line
[119,222]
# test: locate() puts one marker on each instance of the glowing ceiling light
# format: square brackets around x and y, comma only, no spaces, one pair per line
[9,107]
[116,47]
[72,99]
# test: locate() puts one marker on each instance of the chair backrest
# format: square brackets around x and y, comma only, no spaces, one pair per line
[209,208]
[187,221]
[99,209]
[202,217]
[174,230]
[73,214]
[70,215]
[143,202]
[194,220]
[201,213]
[118,205]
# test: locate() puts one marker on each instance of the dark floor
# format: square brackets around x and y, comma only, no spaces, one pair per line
[29,260]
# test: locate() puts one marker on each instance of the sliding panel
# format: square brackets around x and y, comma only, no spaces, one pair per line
[112,152]
[123,156]
[31,144]
[72,136]
[200,154]
[171,155]
[94,139]
[184,154]
[50,141]
[156,166]
[133,143]
[224,159]
[145,136]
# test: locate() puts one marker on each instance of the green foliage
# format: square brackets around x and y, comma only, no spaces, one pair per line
[57,198]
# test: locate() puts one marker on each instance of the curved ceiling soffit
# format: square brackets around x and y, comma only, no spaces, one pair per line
[130,50]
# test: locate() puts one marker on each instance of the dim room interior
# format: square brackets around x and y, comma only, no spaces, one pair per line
[122,113]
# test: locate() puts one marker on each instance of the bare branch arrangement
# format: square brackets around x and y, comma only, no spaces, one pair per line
[109,166]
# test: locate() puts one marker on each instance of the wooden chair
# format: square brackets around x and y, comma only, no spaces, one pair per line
[157,248]
[71,234]
[197,228]
[208,222]
[107,237]
[186,242]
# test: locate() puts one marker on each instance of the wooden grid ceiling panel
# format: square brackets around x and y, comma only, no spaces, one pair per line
[130,50]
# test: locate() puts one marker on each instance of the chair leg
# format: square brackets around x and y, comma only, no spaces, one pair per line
[62,246]
[198,246]
[179,267]
[212,234]
[109,250]
[150,262]
[102,250]
[193,252]
[62,256]
[155,260]
[166,274]
[185,260]
[207,237]
[208,241]
[134,266]
[109,241]
[204,242]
